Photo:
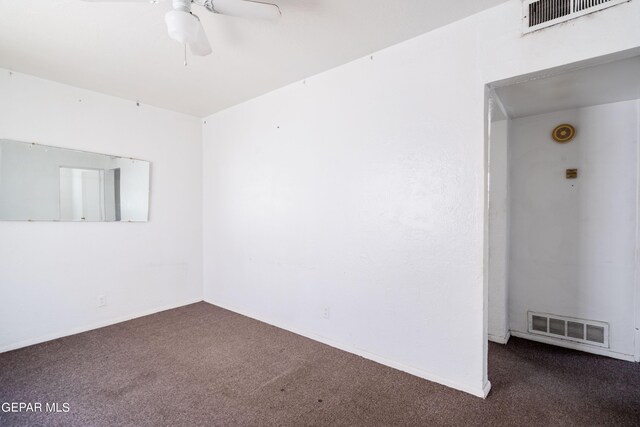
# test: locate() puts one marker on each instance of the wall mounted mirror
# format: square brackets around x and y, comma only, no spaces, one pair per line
[43,183]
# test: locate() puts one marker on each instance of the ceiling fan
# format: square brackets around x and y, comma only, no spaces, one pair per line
[186,28]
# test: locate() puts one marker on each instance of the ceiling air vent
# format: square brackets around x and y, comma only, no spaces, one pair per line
[589,332]
[539,14]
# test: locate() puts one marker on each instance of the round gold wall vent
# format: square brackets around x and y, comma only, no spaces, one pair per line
[563,133]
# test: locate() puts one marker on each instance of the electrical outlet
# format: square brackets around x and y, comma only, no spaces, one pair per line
[326,313]
[102,300]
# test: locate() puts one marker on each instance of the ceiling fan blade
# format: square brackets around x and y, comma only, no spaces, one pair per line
[123,1]
[247,9]
[201,46]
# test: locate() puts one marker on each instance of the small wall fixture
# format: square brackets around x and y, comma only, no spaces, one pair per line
[563,133]
[572,173]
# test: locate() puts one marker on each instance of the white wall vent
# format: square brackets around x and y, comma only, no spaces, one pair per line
[583,331]
[539,14]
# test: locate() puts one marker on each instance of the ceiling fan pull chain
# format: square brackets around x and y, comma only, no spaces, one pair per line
[185,54]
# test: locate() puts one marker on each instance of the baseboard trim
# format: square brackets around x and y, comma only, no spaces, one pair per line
[479,392]
[600,351]
[499,339]
[486,389]
[98,325]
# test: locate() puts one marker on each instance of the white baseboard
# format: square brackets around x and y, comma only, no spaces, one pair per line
[600,351]
[486,389]
[479,392]
[499,339]
[73,331]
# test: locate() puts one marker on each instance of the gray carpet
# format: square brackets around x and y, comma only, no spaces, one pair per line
[201,365]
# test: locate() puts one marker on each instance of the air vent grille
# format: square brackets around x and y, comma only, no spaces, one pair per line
[586,4]
[595,334]
[590,332]
[557,327]
[541,11]
[575,330]
[540,324]
[538,14]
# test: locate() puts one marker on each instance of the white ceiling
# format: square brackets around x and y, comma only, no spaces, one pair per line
[601,84]
[123,48]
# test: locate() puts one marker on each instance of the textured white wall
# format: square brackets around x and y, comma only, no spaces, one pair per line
[573,242]
[498,325]
[52,273]
[362,189]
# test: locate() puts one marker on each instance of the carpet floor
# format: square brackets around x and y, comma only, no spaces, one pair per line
[201,365]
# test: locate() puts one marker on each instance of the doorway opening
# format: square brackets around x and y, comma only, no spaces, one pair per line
[563,206]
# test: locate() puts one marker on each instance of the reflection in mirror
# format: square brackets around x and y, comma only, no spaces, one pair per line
[41,183]
[82,194]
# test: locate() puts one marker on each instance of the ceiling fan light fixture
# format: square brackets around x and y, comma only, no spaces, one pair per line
[186,28]
[182,26]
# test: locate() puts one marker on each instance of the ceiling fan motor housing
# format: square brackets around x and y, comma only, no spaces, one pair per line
[182,5]
[182,25]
